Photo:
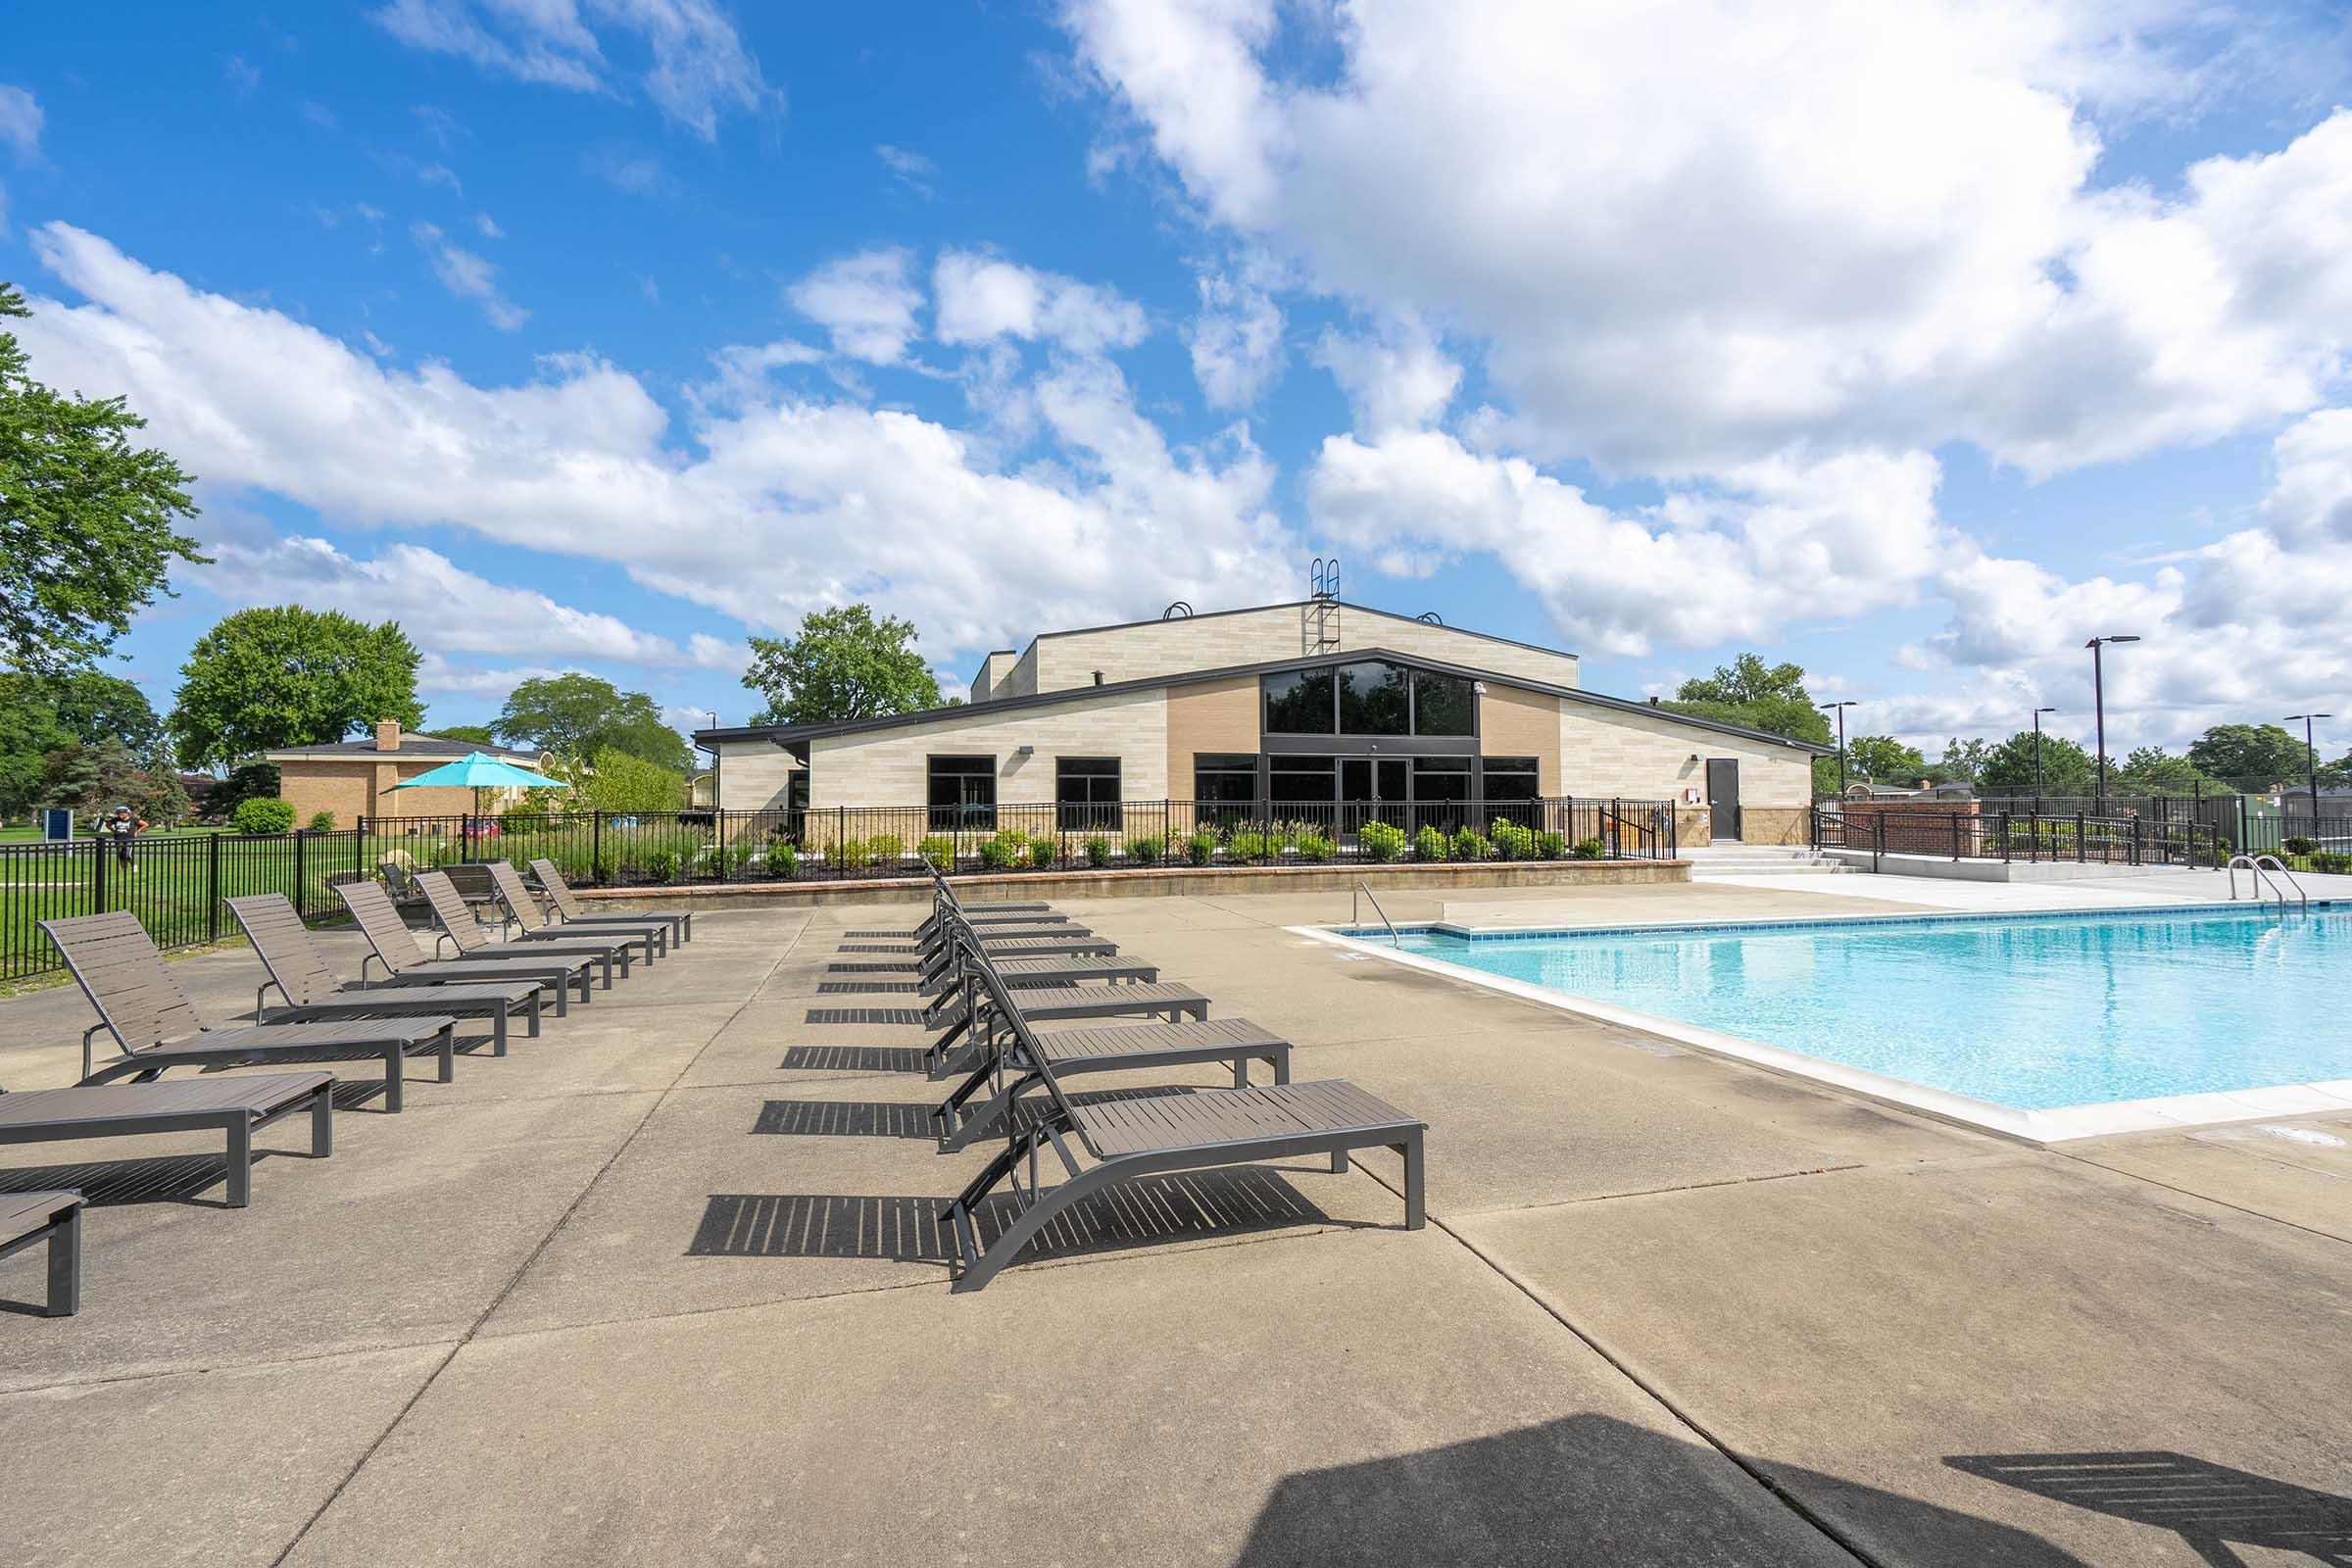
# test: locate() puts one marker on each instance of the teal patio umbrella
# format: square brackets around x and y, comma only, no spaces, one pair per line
[478,772]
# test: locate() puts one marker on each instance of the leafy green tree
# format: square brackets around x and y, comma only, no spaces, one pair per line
[614,780]
[1961,763]
[87,521]
[844,665]
[478,734]
[1884,760]
[95,779]
[2066,768]
[2338,774]
[2150,770]
[41,713]
[281,676]
[248,781]
[580,716]
[2249,755]
[1754,695]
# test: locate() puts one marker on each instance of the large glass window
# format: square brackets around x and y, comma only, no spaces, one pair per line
[1443,705]
[1441,778]
[1299,703]
[1374,700]
[1086,794]
[1511,778]
[963,793]
[1222,778]
[1301,778]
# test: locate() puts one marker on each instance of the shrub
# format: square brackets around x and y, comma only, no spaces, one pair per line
[662,864]
[1098,852]
[1043,851]
[885,849]
[1146,849]
[1550,846]
[1432,843]
[938,851]
[323,821]
[1201,848]
[1249,844]
[1471,845]
[998,853]
[2334,863]
[260,816]
[1511,841]
[2300,846]
[1380,841]
[1590,849]
[1314,846]
[783,859]
[851,855]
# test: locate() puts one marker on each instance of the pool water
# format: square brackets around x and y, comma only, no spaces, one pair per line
[2032,1013]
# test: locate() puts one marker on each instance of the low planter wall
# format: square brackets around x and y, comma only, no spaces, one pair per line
[1173,881]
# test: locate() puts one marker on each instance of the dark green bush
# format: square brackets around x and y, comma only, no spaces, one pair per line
[1471,845]
[1098,852]
[2300,846]
[1550,846]
[1201,848]
[1590,849]
[1315,847]
[1146,850]
[1043,851]
[938,851]
[1430,844]
[263,815]
[323,821]
[1380,841]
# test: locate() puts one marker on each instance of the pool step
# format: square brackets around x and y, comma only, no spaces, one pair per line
[1712,861]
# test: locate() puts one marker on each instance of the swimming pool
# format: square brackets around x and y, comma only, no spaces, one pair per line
[2027,1012]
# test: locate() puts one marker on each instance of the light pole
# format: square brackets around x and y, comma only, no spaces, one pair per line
[2311,757]
[1840,709]
[2098,698]
[2038,713]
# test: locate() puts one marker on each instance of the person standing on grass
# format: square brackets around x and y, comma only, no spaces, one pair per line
[123,829]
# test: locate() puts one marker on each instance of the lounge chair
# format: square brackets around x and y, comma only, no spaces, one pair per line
[27,1219]
[236,1107]
[934,968]
[1028,974]
[157,1027]
[1126,1139]
[919,959]
[459,928]
[527,921]
[299,974]
[405,959]
[1126,1047]
[567,904]
[1055,1004]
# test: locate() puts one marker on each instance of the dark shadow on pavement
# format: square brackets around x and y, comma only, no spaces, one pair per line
[104,1183]
[895,1118]
[905,1230]
[2210,1506]
[854,1059]
[893,1015]
[1593,1489]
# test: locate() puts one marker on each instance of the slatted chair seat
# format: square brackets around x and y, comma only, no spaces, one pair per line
[311,990]
[1054,1003]
[141,1004]
[1124,1139]
[1028,974]
[404,959]
[527,921]
[30,1219]
[962,1117]
[236,1107]
[550,877]
[459,928]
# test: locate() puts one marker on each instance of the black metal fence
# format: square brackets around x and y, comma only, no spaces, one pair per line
[174,883]
[2031,836]
[2242,824]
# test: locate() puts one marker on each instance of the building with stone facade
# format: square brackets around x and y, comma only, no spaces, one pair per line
[355,779]
[1284,709]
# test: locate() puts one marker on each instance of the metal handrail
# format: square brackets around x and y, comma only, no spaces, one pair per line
[1353,910]
[2253,863]
[2302,898]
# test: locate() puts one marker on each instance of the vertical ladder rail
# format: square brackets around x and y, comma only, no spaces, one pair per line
[1353,910]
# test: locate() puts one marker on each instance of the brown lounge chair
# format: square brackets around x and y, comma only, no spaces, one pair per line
[299,974]
[27,1219]
[405,960]
[462,930]
[157,1027]
[527,921]
[238,1106]
[567,904]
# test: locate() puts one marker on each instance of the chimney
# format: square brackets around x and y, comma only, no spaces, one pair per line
[387,734]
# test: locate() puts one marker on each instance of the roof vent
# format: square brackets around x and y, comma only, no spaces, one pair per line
[1429,617]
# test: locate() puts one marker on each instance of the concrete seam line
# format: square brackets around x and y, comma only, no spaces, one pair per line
[2204,1198]
[520,1269]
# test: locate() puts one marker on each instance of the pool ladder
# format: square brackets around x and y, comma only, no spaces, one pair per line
[2262,866]
[1355,908]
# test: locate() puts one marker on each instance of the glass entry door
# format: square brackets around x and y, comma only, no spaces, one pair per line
[1374,788]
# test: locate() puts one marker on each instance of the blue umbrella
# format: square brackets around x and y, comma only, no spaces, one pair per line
[478,772]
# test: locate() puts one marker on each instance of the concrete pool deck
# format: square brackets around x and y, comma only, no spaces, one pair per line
[606,1301]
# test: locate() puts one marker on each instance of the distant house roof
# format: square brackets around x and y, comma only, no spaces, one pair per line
[411,745]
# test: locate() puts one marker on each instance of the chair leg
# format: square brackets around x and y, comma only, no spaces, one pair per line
[65,1265]
[1339,1160]
[396,1069]
[498,1030]
[448,1043]
[1280,1060]
[533,1024]
[240,1161]
[1416,1212]
[323,1121]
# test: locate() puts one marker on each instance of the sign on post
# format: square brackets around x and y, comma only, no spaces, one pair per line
[57,823]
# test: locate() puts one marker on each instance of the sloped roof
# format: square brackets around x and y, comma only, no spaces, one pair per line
[410,746]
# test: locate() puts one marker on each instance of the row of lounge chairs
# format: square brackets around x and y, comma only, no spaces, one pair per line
[553,950]
[994,973]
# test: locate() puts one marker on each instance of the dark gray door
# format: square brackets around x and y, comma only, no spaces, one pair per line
[1723,795]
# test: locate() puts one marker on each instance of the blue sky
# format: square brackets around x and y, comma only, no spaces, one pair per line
[1912,344]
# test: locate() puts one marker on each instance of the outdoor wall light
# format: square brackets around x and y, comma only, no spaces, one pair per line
[1025,750]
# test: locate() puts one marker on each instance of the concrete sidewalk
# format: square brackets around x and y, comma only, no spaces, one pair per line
[663,1286]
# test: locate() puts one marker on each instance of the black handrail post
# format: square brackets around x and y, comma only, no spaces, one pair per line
[595,847]
[301,896]
[97,875]
[212,888]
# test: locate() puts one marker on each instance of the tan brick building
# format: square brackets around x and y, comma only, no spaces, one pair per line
[354,779]
[1288,710]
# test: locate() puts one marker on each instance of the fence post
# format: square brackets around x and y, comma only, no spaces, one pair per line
[301,894]
[1878,847]
[2005,849]
[2079,845]
[595,847]
[211,887]
[1955,836]
[2136,849]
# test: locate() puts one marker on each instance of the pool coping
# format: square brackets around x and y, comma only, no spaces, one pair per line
[2056,1126]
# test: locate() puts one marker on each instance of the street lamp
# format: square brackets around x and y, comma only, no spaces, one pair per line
[2311,757]
[2098,698]
[1840,709]
[2038,713]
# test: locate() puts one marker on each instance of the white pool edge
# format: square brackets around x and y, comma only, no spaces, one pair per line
[2064,1124]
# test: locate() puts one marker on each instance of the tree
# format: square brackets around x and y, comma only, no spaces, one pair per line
[580,716]
[1963,760]
[480,734]
[1754,695]
[266,679]
[2065,766]
[2150,770]
[844,665]
[249,781]
[1884,760]
[40,714]
[94,779]
[614,780]
[86,520]
[2251,757]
